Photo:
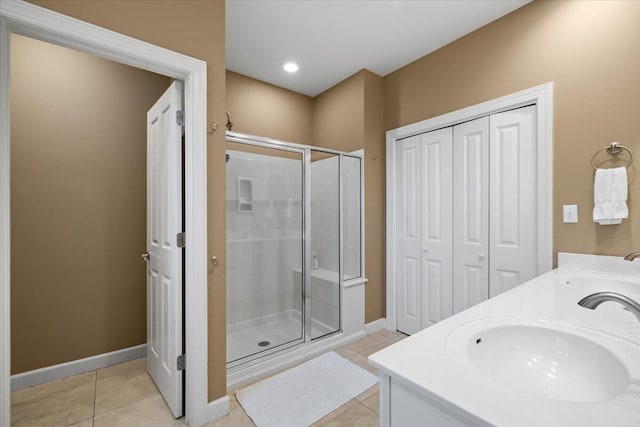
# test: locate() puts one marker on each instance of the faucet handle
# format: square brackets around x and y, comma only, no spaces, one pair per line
[632,256]
[594,300]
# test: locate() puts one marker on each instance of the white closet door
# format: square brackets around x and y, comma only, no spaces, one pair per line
[470,213]
[437,248]
[408,292]
[513,192]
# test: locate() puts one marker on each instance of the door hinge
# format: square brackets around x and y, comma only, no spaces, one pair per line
[180,240]
[180,117]
[181,363]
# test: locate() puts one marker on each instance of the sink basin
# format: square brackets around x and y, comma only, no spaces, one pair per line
[551,360]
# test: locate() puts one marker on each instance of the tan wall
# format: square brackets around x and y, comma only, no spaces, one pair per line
[374,170]
[590,50]
[78,203]
[259,108]
[338,115]
[195,28]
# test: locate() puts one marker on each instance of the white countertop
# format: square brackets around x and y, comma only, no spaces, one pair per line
[423,363]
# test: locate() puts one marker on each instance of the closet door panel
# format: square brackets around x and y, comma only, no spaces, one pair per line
[470,213]
[409,229]
[513,192]
[437,248]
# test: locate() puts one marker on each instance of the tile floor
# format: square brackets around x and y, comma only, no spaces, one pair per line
[124,395]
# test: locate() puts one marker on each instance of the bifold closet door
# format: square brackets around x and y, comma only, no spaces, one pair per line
[408,232]
[513,196]
[437,228]
[470,213]
[424,233]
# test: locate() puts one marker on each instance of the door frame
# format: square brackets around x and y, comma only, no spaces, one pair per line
[23,18]
[542,97]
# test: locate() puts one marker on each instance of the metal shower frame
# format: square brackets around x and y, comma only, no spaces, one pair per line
[305,152]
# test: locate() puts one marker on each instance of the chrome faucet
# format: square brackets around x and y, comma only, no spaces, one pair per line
[594,300]
[632,256]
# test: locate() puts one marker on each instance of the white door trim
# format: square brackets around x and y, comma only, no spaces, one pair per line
[29,20]
[542,97]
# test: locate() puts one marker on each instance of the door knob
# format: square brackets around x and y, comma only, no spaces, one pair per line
[146,256]
[425,249]
[481,256]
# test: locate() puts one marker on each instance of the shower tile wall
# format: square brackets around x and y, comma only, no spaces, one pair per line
[264,247]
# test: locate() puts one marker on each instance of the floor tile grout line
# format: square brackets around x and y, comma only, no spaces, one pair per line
[371,410]
[132,403]
[337,415]
[95,398]
[61,391]
[52,392]
[347,410]
[119,408]
[128,373]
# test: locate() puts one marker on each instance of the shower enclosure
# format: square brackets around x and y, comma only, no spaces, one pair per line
[294,238]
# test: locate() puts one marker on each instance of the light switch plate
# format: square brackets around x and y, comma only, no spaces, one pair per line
[570,214]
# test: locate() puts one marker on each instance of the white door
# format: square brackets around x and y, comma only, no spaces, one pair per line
[409,295]
[513,197]
[436,219]
[164,222]
[470,213]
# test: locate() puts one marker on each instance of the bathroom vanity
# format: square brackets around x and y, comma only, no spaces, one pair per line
[529,357]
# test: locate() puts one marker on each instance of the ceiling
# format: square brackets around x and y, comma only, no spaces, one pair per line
[331,40]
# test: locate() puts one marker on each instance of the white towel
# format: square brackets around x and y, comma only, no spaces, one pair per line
[610,196]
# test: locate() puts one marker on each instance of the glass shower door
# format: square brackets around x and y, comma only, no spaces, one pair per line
[323,288]
[264,249]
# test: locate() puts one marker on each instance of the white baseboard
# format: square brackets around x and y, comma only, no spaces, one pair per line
[374,326]
[218,408]
[63,370]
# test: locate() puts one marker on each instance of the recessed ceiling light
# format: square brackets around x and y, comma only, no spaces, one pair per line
[290,67]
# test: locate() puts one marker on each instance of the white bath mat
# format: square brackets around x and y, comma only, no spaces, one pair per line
[300,396]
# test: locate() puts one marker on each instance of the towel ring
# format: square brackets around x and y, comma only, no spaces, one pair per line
[614,149]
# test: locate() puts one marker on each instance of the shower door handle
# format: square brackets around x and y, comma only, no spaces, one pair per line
[146,256]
